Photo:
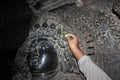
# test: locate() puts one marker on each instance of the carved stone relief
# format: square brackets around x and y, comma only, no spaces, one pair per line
[98,30]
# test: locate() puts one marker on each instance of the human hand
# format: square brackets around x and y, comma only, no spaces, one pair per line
[73,43]
[72,40]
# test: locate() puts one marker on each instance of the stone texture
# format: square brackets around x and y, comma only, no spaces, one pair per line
[98,29]
[116,8]
[39,6]
[67,65]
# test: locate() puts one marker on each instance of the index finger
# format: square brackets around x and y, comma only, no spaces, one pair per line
[70,35]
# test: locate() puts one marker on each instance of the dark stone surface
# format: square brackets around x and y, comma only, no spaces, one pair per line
[95,22]
[116,8]
[98,31]
[101,30]
[67,67]
[15,18]
[14,24]
[38,6]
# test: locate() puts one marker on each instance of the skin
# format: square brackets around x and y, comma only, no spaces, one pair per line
[73,44]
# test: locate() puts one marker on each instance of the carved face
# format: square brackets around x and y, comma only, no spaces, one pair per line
[43,59]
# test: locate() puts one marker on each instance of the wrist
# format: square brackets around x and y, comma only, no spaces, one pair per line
[77,52]
[74,48]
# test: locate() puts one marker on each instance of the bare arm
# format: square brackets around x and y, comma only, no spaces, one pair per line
[86,65]
[73,43]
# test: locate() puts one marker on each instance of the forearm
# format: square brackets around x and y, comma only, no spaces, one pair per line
[77,52]
[88,67]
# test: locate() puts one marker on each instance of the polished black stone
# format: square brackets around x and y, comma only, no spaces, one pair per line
[43,59]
